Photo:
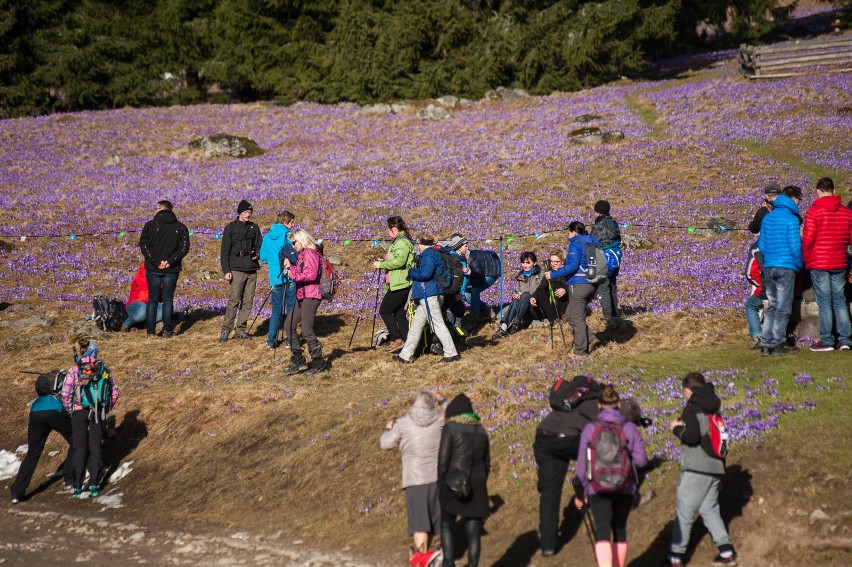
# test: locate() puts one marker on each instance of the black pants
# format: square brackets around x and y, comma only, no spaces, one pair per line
[392,311]
[87,438]
[40,425]
[552,455]
[608,295]
[473,530]
[610,512]
[542,298]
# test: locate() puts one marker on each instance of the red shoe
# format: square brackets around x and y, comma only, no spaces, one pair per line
[432,558]
[416,559]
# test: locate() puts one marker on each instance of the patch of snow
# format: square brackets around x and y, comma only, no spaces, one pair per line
[53,453]
[9,464]
[122,471]
[22,449]
[112,500]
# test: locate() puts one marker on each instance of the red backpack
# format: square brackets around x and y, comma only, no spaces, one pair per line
[329,280]
[719,435]
[608,465]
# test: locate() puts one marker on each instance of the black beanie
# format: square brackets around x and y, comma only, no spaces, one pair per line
[460,404]
[602,208]
[244,206]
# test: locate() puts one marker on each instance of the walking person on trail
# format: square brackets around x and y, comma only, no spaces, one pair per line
[610,500]
[464,449]
[240,262]
[164,243]
[701,474]
[417,435]
[398,260]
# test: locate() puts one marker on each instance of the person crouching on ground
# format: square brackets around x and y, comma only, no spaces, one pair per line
[417,434]
[427,292]
[610,508]
[137,301]
[240,263]
[526,282]
[398,260]
[306,273]
[88,394]
[464,447]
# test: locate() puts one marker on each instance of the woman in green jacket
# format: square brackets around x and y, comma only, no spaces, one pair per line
[397,262]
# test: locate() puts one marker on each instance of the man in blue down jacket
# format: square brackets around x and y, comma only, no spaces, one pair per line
[781,244]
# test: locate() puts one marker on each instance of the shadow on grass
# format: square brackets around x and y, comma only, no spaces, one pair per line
[735,494]
[196,315]
[127,437]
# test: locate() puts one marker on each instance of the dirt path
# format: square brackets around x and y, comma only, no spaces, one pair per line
[33,534]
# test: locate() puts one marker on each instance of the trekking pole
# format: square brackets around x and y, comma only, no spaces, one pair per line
[376,308]
[558,316]
[360,314]
[262,304]
[590,526]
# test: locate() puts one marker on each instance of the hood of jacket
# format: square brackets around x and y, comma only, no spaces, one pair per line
[277,232]
[783,202]
[831,203]
[705,398]
[165,217]
[423,415]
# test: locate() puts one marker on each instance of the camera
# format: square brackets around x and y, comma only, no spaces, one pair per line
[645,422]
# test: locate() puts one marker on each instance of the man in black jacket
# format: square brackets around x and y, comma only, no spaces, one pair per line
[164,243]
[240,250]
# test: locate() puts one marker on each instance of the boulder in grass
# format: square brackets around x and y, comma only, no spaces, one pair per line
[636,242]
[506,95]
[18,343]
[448,100]
[219,145]
[720,224]
[6,246]
[399,107]
[378,108]
[613,136]
[29,323]
[433,112]
[587,131]
[587,118]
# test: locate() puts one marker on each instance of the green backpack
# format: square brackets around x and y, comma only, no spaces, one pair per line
[97,394]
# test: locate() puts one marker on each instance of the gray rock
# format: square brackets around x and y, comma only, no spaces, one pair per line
[433,112]
[29,323]
[448,100]
[587,139]
[506,95]
[18,343]
[636,242]
[219,145]
[613,136]
[112,160]
[334,260]
[588,130]
[587,118]
[399,108]
[204,275]
[6,246]
[818,516]
[20,308]
[378,108]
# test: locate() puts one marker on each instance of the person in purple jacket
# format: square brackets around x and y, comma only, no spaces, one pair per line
[611,509]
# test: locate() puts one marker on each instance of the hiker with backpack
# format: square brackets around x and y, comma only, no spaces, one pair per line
[239,256]
[754,304]
[482,269]
[282,290]
[580,290]
[46,414]
[702,463]
[417,435]
[306,272]
[527,281]
[88,395]
[611,448]
[608,235]
[137,301]
[398,260]
[427,292]
[557,440]
[464,463]
[164,243]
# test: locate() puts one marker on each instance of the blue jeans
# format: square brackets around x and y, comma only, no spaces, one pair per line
[168,282]
[829,288]
[282,295]
[472,295]
[753,305]
[137,311]
[779,284]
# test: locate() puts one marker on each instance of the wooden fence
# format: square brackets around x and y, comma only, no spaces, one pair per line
[796,57]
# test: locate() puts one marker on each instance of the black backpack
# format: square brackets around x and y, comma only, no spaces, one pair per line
[109,314]
[452,275]
[565,395]
[50,383]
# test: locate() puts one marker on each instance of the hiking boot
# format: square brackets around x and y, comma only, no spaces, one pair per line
[399,359]
[395,346]
[242,335]
[841,346]
[500,334]
[297,364]
[94,491]
[729,561]
[78,493]
[223,336]
[167,334]
[593,344]
[437,349]
[820,346]
[451,358]
[755,343]
[318,365]
[784,349]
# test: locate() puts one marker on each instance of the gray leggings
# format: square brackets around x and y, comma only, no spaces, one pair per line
[698,493]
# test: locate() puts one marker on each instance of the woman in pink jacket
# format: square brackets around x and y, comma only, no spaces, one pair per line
[306,273]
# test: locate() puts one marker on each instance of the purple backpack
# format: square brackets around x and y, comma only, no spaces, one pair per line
[608,463]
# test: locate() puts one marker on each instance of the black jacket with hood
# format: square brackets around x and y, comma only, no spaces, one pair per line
[240,247]
[164,238]
[697,452]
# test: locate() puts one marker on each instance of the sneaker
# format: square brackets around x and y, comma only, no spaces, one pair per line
[15,499]
[820,346]
[297,367]
[755,343]
[242,335]
[451,358]
[400,360]
[841,346]
[500,334]
[729,561]
[548,552]
[167,334]
[784,349]
[94,491]
[416,559]
[672,562]
[270,346]
[395,346]
[78,493]
[223,336]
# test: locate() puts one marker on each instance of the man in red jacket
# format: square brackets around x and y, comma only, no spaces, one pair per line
[826,235]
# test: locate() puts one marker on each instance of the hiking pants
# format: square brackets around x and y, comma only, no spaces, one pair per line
[473,530]
[392,311]
[40,425]
[698,493]
[779,284]
[87,435]
[241,297]
[305,311]
[608,295]
[551,312]
[610,512]
[160,283]
[552,455]
[579,297]
[436,320]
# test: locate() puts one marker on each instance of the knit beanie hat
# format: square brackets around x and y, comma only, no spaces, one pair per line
[457,242]
[460,404]
[244,206]
[602,208]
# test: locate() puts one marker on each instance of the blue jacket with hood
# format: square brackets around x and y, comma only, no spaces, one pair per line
[780,239]
[272,243]
[423,274]
[574,270]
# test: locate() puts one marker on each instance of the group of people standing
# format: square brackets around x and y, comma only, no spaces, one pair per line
[791,249]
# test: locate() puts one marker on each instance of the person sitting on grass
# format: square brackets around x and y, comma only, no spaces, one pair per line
[554,308]
[137,301]
[529,278]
